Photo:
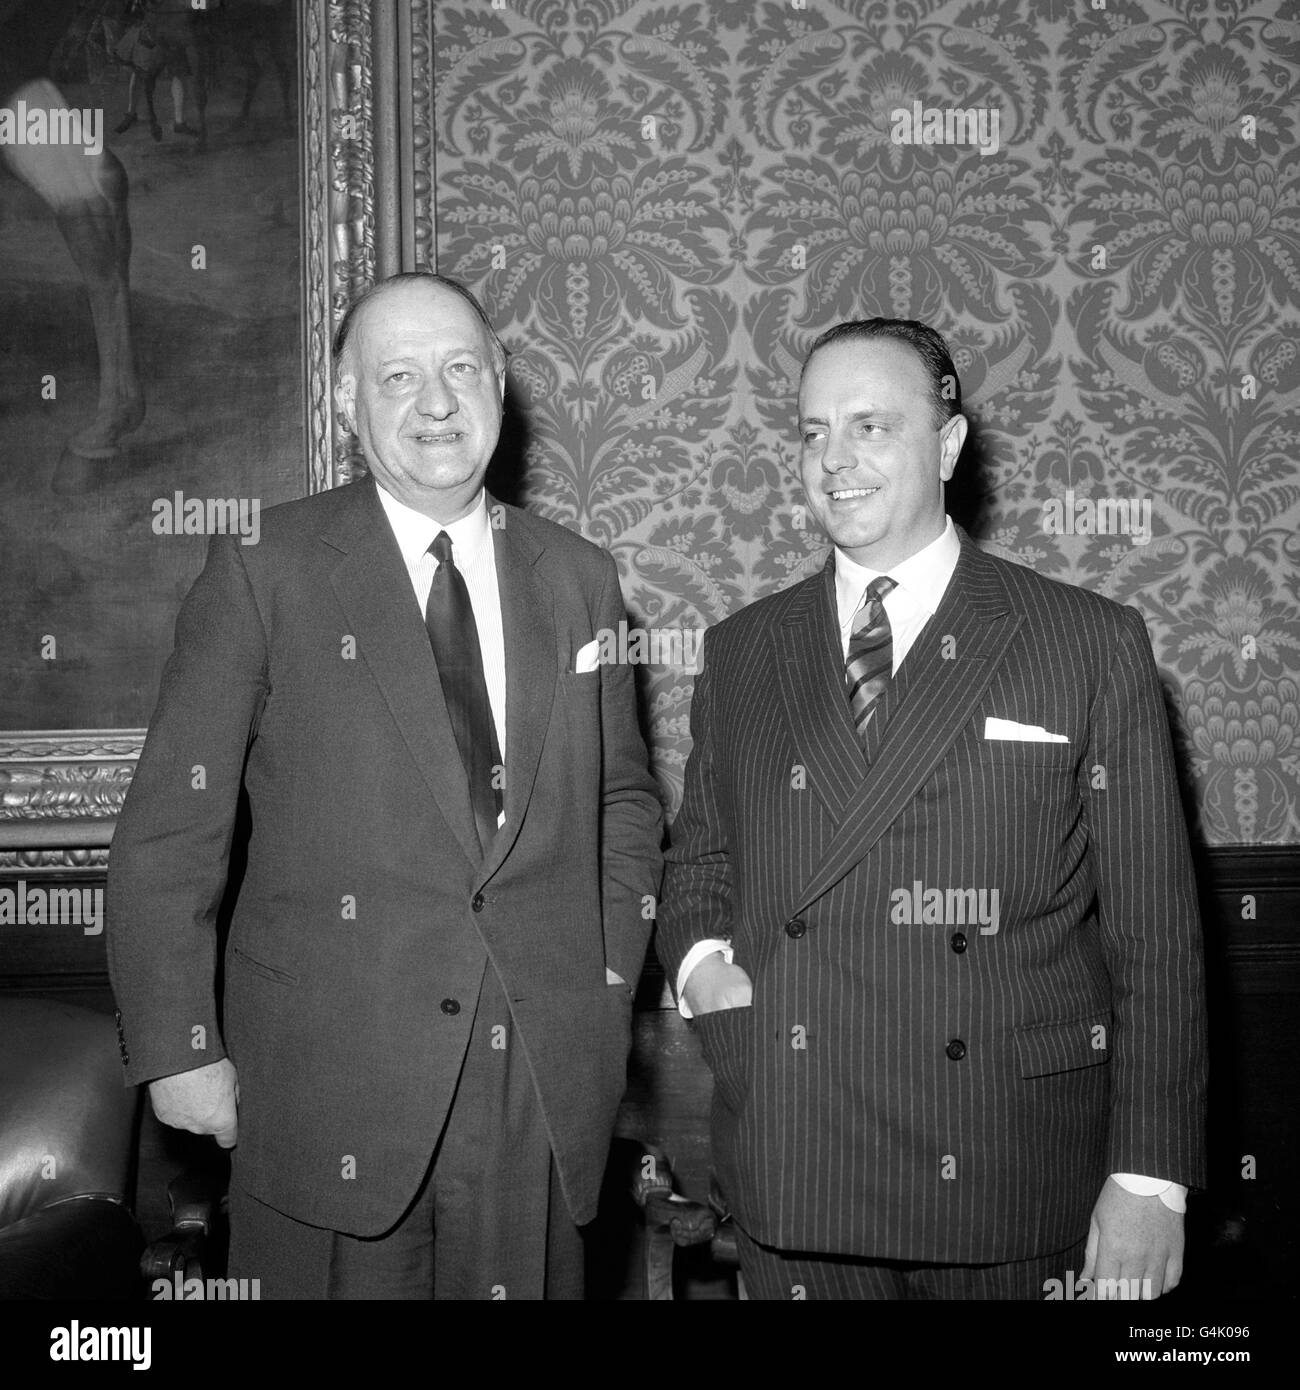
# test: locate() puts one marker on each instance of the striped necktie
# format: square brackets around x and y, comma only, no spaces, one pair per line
[870,660]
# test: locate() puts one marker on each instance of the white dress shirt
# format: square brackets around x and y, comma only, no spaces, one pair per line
[921,582]
[473,556]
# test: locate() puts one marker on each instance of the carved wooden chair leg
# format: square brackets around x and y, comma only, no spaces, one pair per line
[670,1221]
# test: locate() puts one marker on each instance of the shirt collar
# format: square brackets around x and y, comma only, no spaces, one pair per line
[415,531]
[923,577]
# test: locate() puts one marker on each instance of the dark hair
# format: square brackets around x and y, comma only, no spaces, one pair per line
[500,353]
[929,346]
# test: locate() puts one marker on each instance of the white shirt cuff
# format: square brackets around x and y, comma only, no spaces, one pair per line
[693,957]
[1172,1194]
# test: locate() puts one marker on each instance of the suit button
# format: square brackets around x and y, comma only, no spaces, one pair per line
[795,928]
[956,1050]
[450,1006]
[476,902]
[958,942]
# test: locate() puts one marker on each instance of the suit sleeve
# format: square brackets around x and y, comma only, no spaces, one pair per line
[697,897]
[171,849]
[631,817]
[1149,923]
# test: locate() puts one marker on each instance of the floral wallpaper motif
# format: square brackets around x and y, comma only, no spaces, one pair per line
[661,204]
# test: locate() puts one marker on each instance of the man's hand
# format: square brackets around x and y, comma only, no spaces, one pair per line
[204,1101]
[714,985]
[1132,1237]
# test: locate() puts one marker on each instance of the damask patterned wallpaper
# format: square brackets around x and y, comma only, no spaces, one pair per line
[661,204]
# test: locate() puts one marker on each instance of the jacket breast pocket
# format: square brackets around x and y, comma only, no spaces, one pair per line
[1032,775]
[1046,1049]
[580,680]
[578,693]
[1024,753]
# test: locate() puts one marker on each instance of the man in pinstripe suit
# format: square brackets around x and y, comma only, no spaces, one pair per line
[929,897]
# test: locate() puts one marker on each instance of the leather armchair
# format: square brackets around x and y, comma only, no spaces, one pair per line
[67,1126]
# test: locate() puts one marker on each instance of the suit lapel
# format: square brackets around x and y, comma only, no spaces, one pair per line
[938,686]
[810,673]
[374,590]
[532,665]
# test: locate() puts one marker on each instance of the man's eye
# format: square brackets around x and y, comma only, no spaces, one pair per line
[871,425]
[397,376]
[811,436]
[463,367]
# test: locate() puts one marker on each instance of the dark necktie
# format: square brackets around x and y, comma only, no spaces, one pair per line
[870,661]
[453,635]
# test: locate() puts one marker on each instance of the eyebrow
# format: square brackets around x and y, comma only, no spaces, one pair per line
[410,356]
[867,414]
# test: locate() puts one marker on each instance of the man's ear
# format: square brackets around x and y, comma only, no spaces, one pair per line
[345,398]
[951,438]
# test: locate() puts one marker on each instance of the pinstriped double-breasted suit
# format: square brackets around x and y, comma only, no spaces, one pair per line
[936,1090]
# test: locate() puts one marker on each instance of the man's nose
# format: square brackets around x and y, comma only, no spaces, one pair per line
[436,398]
[837,456]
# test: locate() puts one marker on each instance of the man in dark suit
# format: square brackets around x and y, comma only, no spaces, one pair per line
[929,895]
[451,854]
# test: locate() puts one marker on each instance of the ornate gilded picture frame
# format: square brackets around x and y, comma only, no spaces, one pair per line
[292,177]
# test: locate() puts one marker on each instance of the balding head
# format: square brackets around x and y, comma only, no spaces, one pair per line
[358,308]
[420,379]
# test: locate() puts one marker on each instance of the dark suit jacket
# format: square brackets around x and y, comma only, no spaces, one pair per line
[303,675]
[930,1091]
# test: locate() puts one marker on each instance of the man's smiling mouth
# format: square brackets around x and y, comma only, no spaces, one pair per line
[847,493]
[438,437]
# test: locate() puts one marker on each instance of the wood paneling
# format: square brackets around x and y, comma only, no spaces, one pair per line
[1244,1233]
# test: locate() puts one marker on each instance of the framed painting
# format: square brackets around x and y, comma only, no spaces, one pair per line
[189,196]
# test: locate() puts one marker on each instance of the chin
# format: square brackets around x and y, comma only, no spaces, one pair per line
[443,478]
[858,538]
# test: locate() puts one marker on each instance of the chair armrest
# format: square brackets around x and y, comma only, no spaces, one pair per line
[196,1198]
[670,1220]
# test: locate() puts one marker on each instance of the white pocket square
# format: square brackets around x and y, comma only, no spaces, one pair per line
[587,659]
[1021,733]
